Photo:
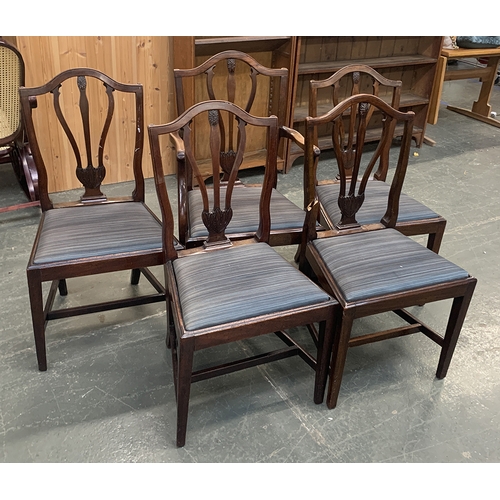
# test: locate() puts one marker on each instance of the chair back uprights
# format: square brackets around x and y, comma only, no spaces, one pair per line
[94,95]
[217,208]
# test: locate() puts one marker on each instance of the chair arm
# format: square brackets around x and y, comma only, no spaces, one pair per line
[180,149]
[297,138]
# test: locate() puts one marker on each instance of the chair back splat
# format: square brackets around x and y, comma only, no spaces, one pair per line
[229,290]
[372,268]
[96,233]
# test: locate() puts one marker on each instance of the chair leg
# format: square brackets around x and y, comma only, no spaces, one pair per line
[455,322]
[339,355]
[63,288]
[134,276]
[38,318]
[184,372]
[325,342]
[434,240]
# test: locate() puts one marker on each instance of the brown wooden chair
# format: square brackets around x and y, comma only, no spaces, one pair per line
[240,78]
[14,148]
[414,217]
[374,268]
[95,234]
[227,291]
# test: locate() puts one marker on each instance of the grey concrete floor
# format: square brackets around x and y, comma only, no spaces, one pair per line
[108,394]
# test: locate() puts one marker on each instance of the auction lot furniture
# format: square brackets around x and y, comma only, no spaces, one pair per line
[227,291]
[372,269]
[94,234]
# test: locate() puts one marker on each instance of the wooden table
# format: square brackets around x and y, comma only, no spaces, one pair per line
[481,109]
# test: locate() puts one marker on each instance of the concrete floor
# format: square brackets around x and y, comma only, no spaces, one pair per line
[108,394]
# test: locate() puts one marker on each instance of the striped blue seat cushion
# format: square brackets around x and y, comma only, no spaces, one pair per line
[240,282]
[373,263]
[245,204]
[374,205]
[97,230]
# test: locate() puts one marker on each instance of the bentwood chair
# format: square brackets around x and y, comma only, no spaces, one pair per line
[414,217]
[96,233]
[228,291]
[14,148]
[374,268]
[238,78]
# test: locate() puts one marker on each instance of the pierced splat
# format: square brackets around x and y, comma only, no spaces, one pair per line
[228,154]
[217,218]
[348,142]
[91,177]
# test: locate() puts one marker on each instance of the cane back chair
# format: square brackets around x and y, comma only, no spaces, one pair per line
[14,148]
[95,234]
[374,268]
[227,291]
[414,217]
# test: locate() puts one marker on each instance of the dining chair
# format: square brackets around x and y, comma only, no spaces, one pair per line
[238,78]
[230,290]
[96,233]
[14,147]
[414,217]
[374,268]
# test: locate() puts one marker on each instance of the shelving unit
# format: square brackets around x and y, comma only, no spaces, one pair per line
[273,52]
[411,59]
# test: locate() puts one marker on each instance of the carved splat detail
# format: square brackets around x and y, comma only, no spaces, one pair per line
[216,222]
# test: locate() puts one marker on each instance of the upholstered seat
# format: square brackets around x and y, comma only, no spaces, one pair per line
[285,214]
[230,292]
[95,231]
[374,205]
[376,263]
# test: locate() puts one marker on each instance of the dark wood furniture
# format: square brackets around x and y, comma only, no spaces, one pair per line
[14,148]
[275,52]
[238,78]
[95,234]
[228,291]
[375,269]
[411,59]
[414,218]
[481,109]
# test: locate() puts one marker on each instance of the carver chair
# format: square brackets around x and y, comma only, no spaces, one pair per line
[238,78]
[96,233]
[14,147]
[374,268]
[225,290]
[414,217]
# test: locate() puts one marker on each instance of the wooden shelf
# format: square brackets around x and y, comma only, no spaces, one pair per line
[377,63]
[408,100]
[212,45]
[325,142]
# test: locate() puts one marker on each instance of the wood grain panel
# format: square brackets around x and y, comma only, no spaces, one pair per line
[135,59]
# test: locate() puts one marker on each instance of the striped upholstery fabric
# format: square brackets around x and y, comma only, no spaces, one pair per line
[241,282]
[375,204]
[90,231]
[245,204]
[374,263]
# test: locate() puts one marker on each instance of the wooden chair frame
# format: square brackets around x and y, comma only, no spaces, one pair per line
[229,136]
[434,227]
[185,342]
[459,290]
[58,271]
